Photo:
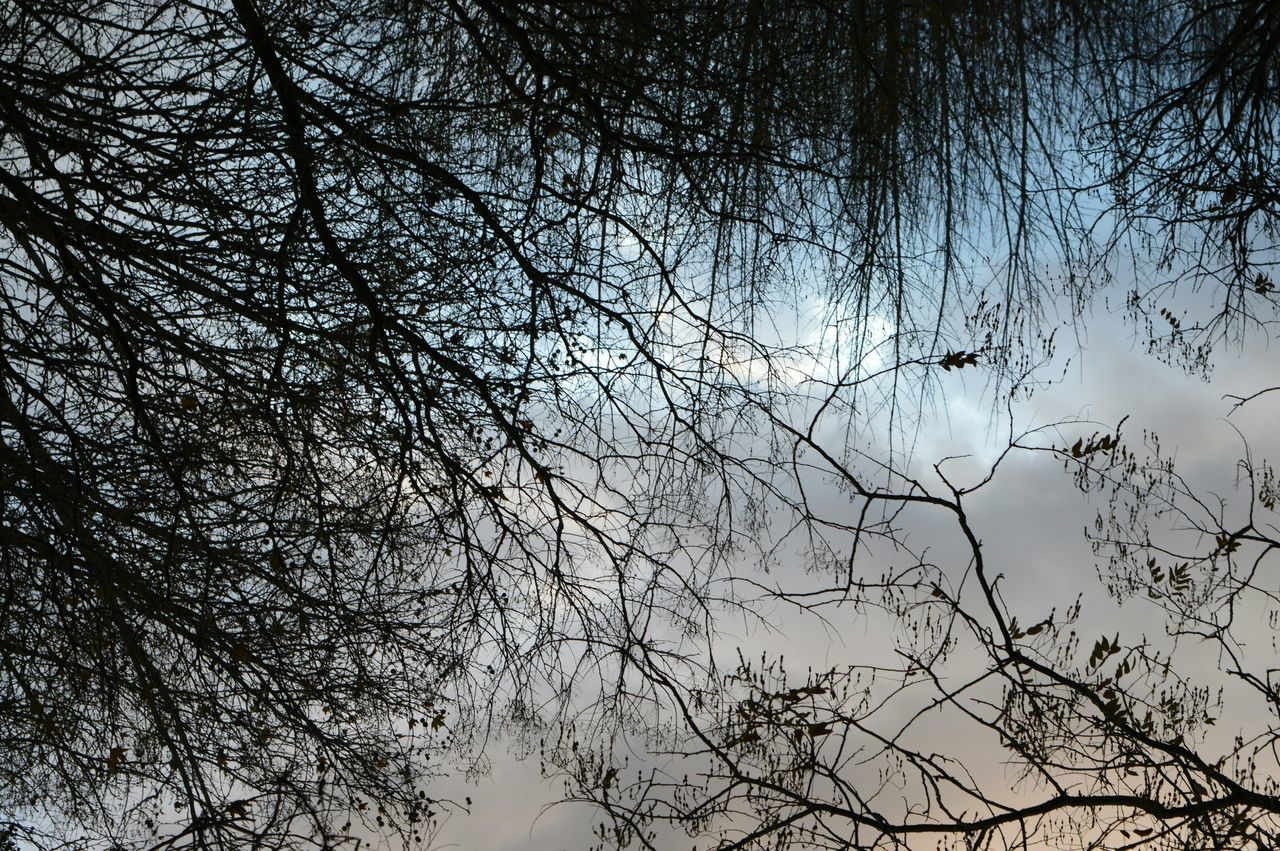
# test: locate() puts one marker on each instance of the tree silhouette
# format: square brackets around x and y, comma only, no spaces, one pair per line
[1103,737]
[372,370]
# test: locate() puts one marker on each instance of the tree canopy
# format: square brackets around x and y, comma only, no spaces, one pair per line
[380,374]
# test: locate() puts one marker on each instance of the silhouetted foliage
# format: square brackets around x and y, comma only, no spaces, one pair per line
[373,370]
[969,721]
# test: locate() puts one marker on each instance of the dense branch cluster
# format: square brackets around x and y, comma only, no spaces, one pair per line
[375,371]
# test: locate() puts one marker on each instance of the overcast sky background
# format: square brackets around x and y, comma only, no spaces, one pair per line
[1031,520]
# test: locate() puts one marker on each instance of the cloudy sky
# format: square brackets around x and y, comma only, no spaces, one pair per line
[1031,519]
